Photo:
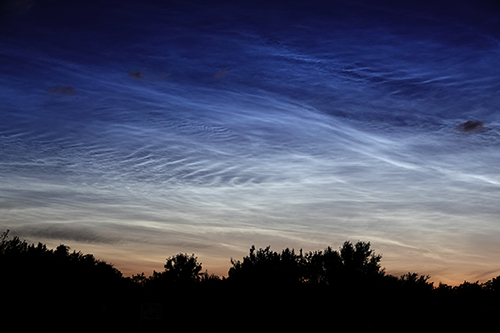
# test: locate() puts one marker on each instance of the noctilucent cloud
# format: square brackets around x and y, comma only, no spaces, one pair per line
[135,130]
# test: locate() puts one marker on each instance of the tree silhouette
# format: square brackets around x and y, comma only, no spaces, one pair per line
[55,288]
[493,285]
[330,267]
[267,266]
[180,269]
[359,258]
[415,282]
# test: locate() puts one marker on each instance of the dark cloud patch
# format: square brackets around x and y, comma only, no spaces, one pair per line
[64,233]
[136,75]
[471,126]
[221,73]
[61,90]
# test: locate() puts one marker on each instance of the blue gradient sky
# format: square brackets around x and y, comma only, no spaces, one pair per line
[136,130]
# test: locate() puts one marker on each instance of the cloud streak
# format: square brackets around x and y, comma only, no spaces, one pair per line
[65,233]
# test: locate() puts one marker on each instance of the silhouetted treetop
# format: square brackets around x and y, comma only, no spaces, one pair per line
[350,263]
[30,260]
[264,265]
[359,258]
[415,283]
[181,268]
[493,285]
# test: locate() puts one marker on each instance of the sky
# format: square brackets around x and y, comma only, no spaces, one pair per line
[136,130]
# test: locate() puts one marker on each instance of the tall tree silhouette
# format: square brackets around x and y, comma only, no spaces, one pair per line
[359,263]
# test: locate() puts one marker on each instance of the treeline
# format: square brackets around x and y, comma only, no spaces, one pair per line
[60,290]
[45,289]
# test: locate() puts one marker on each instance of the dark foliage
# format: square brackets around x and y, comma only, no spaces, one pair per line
[349,266]
[55,288]
[179,269]
[60,290]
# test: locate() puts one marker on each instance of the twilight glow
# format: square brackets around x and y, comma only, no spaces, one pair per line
[137,130]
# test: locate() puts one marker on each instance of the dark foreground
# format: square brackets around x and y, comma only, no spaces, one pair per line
[57,290]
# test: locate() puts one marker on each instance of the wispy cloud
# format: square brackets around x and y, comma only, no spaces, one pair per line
[326,131]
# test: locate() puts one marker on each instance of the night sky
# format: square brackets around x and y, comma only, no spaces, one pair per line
[135,130]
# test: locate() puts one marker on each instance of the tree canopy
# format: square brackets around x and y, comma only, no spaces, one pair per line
[351,263]
[180,269]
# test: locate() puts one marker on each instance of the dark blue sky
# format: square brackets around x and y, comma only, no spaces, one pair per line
[139,129]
